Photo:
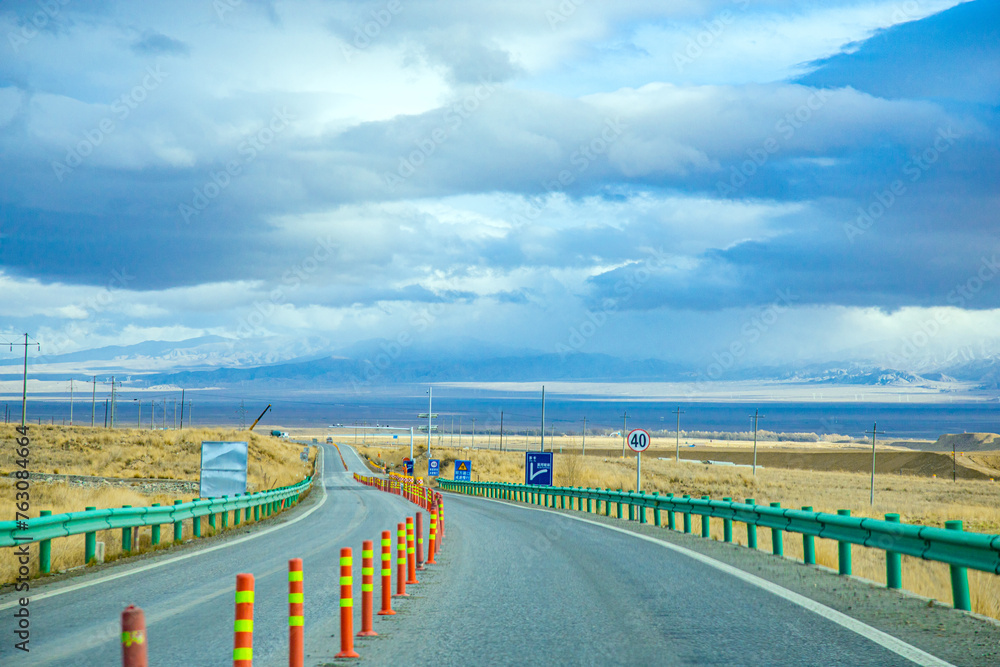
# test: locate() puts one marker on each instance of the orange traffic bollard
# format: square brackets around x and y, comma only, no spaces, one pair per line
[346,607]
[243,628]
[134,651]
[400,559]
[386,609]
[367,589]
[296,631]
[411,554]
[432,543]
[420,540]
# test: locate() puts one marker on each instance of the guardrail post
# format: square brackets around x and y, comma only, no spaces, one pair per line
[256,513]
[777,538]
[893,562]
[706,525]
[959,578]
[671,524]
[126,536]
[607,503]
[135,652]
[686,515]
[727,525]
[808,544]
[346,606]
[243,627]
[196,523]
[178,526]
[211,521]
[386,609]
[751,528]
[656,509]
[89,544]
[224,514]
[236,514]
[246,515]
[401,560]
[296,629]
[844,551]
[631,511]
[45,550]
[590,504]
[155,530]
[367,588]
[411,554]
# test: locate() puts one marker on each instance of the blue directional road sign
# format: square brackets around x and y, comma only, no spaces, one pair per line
[409,466]
[538,468]
[433,467]
[463,471]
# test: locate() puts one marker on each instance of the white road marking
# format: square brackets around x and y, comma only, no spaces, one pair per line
[883,639]
[167,561]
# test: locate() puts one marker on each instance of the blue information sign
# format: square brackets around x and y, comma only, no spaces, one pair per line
[433,467]
[538,468]
[409,466]
[463,471]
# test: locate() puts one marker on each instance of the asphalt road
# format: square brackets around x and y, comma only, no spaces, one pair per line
[514,586]
[519,586]
[189,604]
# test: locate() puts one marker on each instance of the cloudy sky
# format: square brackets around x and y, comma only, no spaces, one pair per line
[800,180]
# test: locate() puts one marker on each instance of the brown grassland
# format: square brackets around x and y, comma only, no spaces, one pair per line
[919,500]
[130,454]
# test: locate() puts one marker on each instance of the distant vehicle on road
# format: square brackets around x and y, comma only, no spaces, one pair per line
[280,434]
[329,440]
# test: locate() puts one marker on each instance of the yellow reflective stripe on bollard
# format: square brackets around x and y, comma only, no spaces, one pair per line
[242,654]
[346,602]
[367,588]
[367,570]
[367,554]
[295,598]
[295,575]
[243,626]
[386,543]
[346,581]
[345,560]
[244,596]
[294,621]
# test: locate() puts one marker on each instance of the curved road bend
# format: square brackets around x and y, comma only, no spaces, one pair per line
[525,587]
[189,604]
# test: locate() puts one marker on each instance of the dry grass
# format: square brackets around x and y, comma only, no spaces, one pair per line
[920,500]
[131,454]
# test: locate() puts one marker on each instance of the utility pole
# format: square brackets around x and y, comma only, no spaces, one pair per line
[473,432]
[152,410]
[106,401]
[584,436]
[112,401]
[430,411]
[175,414]
[93,402]
[452,430]
[459,432]
[164,413]
[755,416]
[24,386]
[501,430]
[954,463]
[624,430]
[875,432]
[71,401]
[543,420]
[138,420]
[190,412]
[677,448]
[182,408]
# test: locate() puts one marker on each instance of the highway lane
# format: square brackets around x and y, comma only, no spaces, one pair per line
[521,586]
[189,604]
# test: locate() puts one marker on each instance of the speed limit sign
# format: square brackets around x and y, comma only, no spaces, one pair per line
[638,440]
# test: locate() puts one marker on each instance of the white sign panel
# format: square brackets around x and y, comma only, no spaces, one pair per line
[223,469]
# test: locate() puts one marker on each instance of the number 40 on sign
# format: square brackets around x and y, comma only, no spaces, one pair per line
[638,441]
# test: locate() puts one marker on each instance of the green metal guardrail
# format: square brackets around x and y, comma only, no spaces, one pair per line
[48,526]
[948,545]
